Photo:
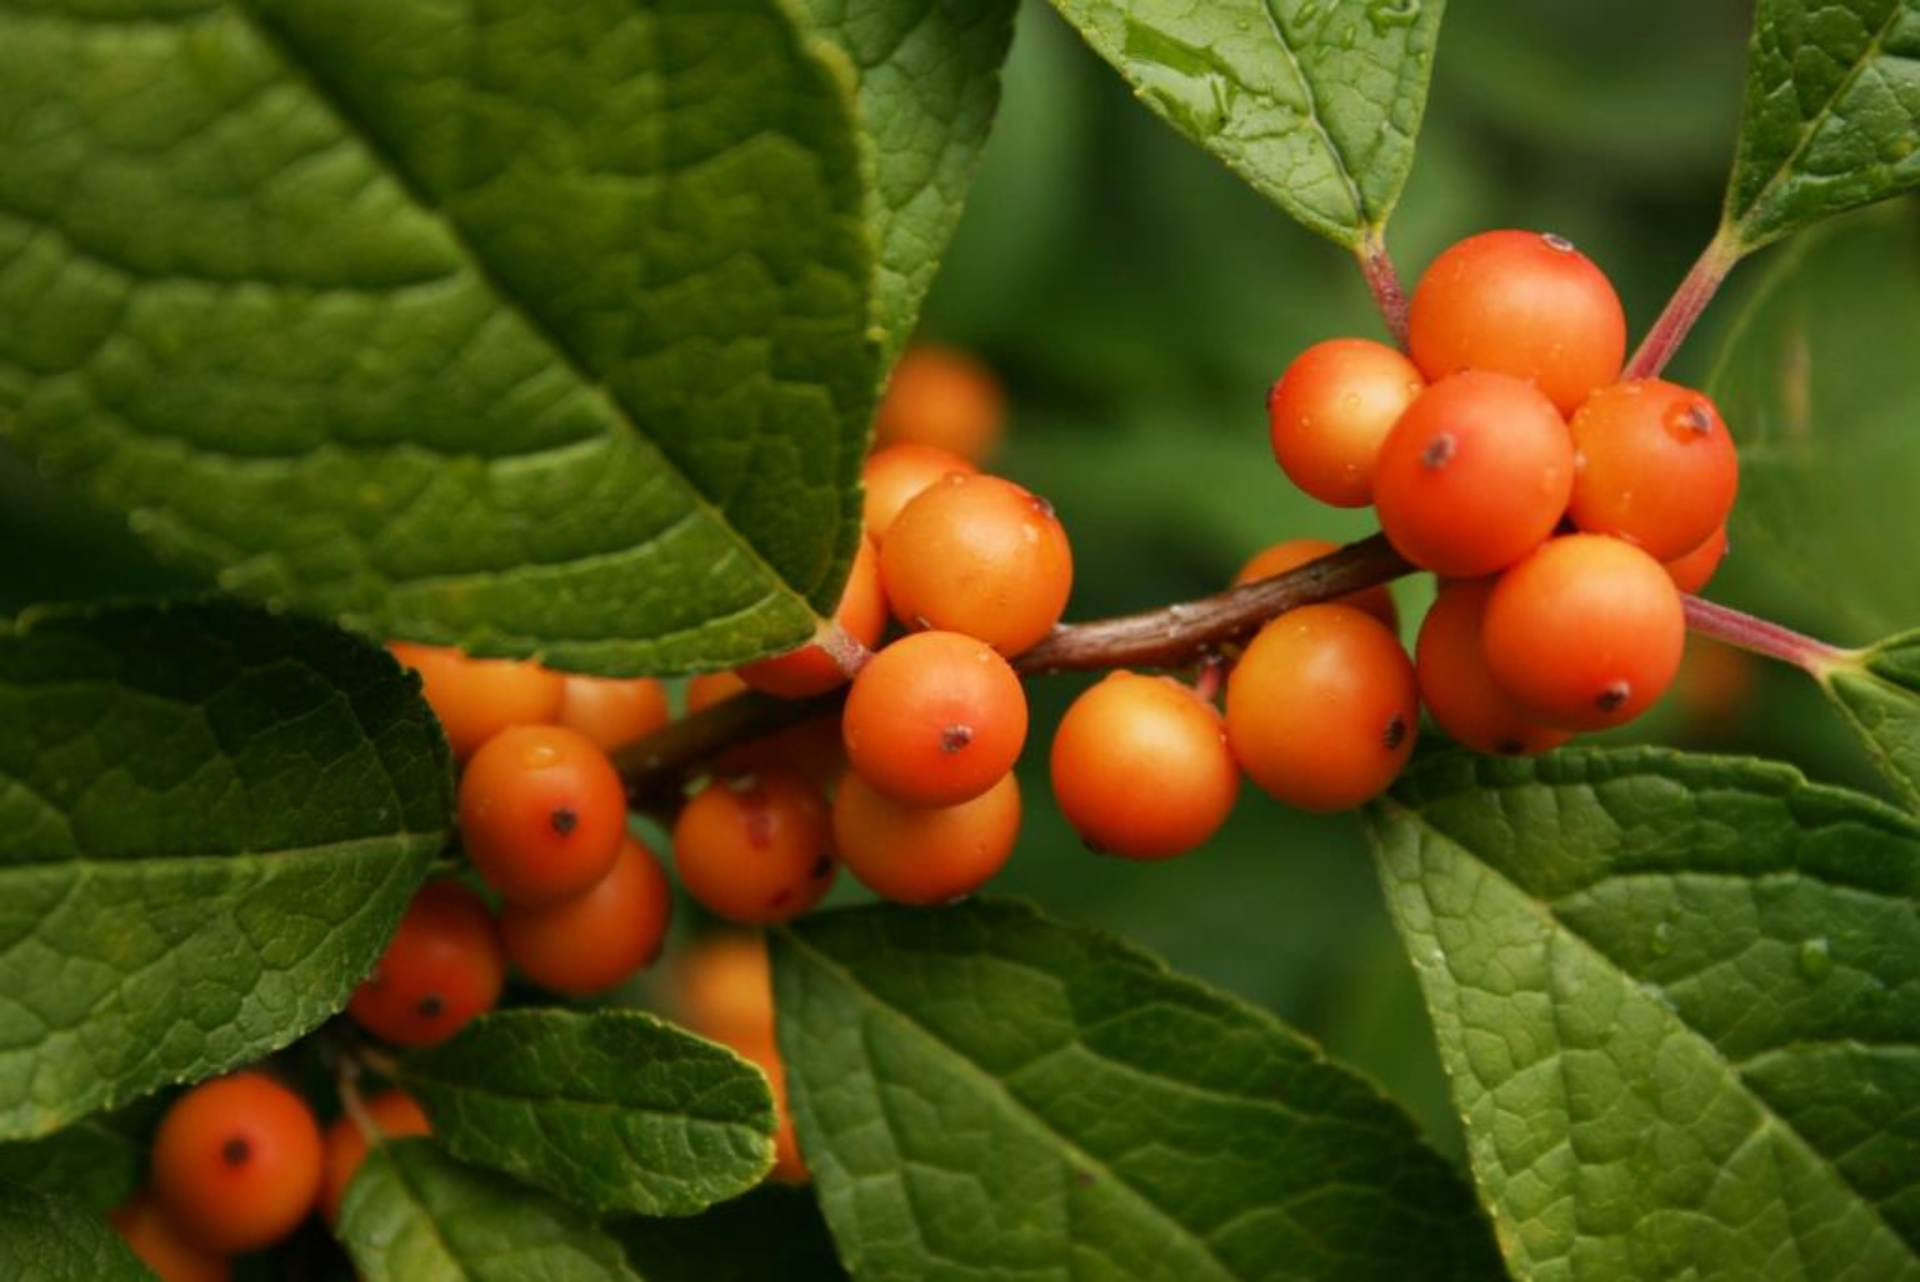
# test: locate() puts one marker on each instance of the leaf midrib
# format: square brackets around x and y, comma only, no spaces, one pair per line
[1270,9]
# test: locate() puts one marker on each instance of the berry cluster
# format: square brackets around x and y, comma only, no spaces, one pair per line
[1563,509]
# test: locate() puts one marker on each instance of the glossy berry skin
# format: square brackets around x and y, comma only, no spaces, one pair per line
[444,965]
[922,855]
[934,719]
[756,849]
[894,474]
[1692,570]
[542,813]
[1329,413]
[1322,709]
[394,1113]
[236,1162]
[979,555]
[598,938]
[1474,476]
[151,1234]
[720,986]
[1524,304]
[1654,465]
[861,617]
[942,397]
[613,712]
[476,699]
[1586,633]
[1141,767]
[1294,553]
[1455,684]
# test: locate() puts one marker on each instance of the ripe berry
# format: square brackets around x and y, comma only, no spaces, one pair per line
[935,719]
[979,555]
[1519,303]
[1294,553]
[789,1167]
[613,712]
[396,1116]
[151,1234]
[1330,411]
[1653,465]
[1141,767]
[475,699]
[1456,686]
[895,474]
[1691,571]
[721,988]
[1586,633]
[598,938]
[1322,709]
[942,397]
[925,855]
[444,965]
[236,1162]
[756,849]
[542,813]
[1475,475]
[861,616]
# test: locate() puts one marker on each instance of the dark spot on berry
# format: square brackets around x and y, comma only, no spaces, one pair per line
[1556,241]
[1273,394]
[1041,506]
[1510,747]
[955,737]
[1439,452]
[1697,419]
[1396,732]
[1613,697]
[236,1151]
[564,820]
[780,898]
[821,867]
[921,623]
[432,1006]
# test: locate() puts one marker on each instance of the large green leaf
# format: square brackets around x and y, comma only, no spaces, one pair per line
[615,1110]
[49,1240]
[1316,105]
[981,1092]
[95,1163]
[1679,1001]
[413,1214]
[929,81]
[1878,692]
[772,1232]
[1832,117]
[531,324]
[1819,384]
[210,821]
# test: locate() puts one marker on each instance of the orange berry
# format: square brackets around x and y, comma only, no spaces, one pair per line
[789,1167]
[925,855]
[942,397]
[394,1113]
[1329,413]
[1141,767]
[613,712]
[542,813]
[894,474]
[1322,708]
[810,670]
[444,965]
[1456,686]
[1654,465]
[722,989]
[756,849]
[1586,633]
[979,555]
[1692,570]
[153,1236]
[1294,553]
[600,937]
[236,1162]
[935,719]
[475,699]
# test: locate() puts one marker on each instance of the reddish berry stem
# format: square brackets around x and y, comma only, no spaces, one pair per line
[1684,308]
[1382,278]
[1762,637]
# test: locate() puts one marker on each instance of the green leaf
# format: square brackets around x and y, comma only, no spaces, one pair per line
[1832,118]
[49,1240]
[1679,1001]
[929,76]
[96,1163]
[412,1214]
[539,327]
[210,821]
[1316,105]
[1820,390]
[982,1092]
[772,1232]
[615,1111]
[1878,692]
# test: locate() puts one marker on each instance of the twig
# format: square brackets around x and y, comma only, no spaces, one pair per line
[1684,308]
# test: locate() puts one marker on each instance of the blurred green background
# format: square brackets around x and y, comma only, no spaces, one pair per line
[1138,301]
